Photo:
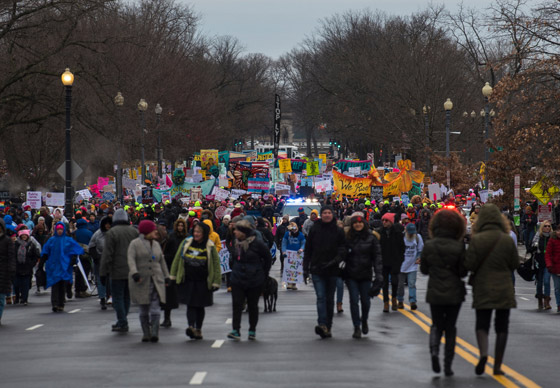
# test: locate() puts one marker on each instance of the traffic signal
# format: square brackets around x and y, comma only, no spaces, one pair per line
[330,141]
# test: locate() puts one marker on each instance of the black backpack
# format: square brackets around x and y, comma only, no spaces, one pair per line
[528,269]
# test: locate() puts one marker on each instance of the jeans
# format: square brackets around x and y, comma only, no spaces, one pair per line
[238,297]
[2,302]
[325,287]
[358,291]
[101,289]
[339,290]
[121,300]
[556,279]
[21,287]
[528,236]
[411,277]
[543,279]
[394,283]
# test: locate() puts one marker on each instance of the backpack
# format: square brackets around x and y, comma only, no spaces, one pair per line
[527,270]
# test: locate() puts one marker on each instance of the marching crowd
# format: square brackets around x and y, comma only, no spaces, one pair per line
[160,256]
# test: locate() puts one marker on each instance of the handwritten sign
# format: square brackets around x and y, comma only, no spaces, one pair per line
[224,258]
[34,199]
[293,267]
[54,199]
[285,166]
[312,168]
[350,186]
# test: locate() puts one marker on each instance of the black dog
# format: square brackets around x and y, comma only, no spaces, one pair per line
[270,294]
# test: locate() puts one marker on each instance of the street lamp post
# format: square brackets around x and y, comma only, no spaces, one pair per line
[142,107]
[425,110]
[67,80]
[447,105]
[486,92]
[119,102]
[158,111]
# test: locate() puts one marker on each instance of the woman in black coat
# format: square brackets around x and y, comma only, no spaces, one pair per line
[27,256]
[362,260]
[173,241]
[7,265]
[251,264]
[443,260]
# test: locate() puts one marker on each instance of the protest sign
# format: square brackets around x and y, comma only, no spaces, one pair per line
[236,193]
[293,267]
[54,199]
[323,158]
[196,194]
[224,258]
[84,193]
[285,166]
[208,158]
[34,199]
[256,185]
[220,194]
[434,191]
[545,213]
[282,189]
[312,168]
[350,186]
[220,212]
[377,194]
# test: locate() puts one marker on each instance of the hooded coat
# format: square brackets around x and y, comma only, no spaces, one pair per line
[29,223]
[325,248]
[492,256]
[7,260]
[115,260]
[59,251]
[97,242]
[83,234]
[213,236]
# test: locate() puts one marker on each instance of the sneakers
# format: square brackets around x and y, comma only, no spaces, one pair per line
[110,300]
[190,332]
[252,335]
[386,307]
[321,331]
[394,304]
[339,307]
[234,335]
[413,306]
[357,333]
[119,329]
[401,305]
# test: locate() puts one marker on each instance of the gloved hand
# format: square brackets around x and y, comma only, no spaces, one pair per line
[214,288]
[375,288]
[305,276]
[167,282]
[103,280]
[136,277]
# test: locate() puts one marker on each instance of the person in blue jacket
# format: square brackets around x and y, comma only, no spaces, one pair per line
[83,236]
[293,240]
[57,256]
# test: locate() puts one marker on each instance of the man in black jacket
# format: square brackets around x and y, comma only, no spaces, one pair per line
[7,265]
[392,252]
[324,250]
[280,232]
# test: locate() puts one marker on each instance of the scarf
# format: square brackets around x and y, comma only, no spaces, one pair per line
[243,246]
[22,251]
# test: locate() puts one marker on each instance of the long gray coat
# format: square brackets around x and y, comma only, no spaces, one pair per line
[140,261]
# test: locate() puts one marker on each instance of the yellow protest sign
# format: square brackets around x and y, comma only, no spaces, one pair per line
[312,168]
[544,191]
[203,173]
[351,186]
[208,158]
[392,188]
[404,177]
[323,158]
[285,166]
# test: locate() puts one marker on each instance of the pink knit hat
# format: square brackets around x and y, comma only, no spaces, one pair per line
[23,231]
[389,216]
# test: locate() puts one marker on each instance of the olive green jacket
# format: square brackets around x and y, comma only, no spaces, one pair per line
[214,268]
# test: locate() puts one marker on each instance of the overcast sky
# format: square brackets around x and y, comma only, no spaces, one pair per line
[274,27]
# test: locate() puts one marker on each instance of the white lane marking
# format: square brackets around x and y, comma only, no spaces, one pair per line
[218,344]
[74,311]
[198,378]
[523,298]
[228,321]
[34,327]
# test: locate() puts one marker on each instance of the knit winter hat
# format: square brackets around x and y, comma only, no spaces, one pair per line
[389,216]
[327,207]
[314,211]
[146,227]
[23,231]
[356,217]
[244,226]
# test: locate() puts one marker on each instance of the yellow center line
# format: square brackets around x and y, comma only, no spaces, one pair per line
[423,321]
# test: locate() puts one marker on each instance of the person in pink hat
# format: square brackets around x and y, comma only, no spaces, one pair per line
[27,256]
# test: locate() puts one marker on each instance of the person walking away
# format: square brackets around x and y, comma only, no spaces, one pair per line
[58,257]
[114,265]
[96,245]
[325,249]
[491,257]
[538,247]
[314,216]
[362,261]
[413,249]
[27,256]
[529,220]
[293,241]
[250,268]
[7,265]
[148,276]
[552,259]
[392,252]
[197,272]
[173,242]
[443,259]
[279,237]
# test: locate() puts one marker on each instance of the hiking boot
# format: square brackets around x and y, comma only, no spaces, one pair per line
[365,327]
[155,331]
[401,305]
[413,306]
[328,333]
[357,333]
[339,307]
[385,307]
[146,335]
[197,334]
[120,329]
[547,303]
[540,303]
[321,331]
[83,294]
[190,332]
[234,335]
[394,304]
[252,335]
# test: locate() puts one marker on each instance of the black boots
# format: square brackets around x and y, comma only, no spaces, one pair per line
[501,341]
[146,333]
[482,340]
[155,330]
[166,318]
[450,338]
[435,338]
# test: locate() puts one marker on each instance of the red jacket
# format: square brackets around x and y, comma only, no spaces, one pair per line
[552,255]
